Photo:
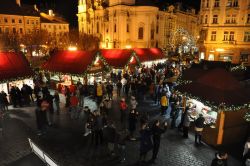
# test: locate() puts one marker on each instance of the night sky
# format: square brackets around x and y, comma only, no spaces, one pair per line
[68,8]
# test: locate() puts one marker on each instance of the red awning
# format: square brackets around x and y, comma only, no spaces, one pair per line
[149,54]
[70,62]
[118,58]
[13,66]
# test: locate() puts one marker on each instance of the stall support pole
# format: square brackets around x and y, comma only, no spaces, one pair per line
[220,124]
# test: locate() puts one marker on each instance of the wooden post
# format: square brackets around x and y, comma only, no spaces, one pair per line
[220,125]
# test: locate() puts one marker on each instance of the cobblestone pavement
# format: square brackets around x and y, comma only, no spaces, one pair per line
[66,144]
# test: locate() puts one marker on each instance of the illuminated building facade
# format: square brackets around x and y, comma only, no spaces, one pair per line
[132,23]
[225,30]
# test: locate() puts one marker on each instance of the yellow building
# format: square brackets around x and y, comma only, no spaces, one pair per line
[130,23]
[17,18]
[56,26]
[225,30]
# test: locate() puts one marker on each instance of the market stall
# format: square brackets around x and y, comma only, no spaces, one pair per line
[150,56]
[14,71]
[119,59]
[69,67]
[223,102]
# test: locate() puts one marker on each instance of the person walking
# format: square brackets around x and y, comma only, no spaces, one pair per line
[186,123]
[99,93]
[199,124]
[145,142]
[246,153]
[174,113]
[157,131]
[133,103]
[119,87]
[109,89]
[123,111]
[57,102]
[111,136]
[98,128]
[132,121]
[73,106]
[164,103]
[220,159]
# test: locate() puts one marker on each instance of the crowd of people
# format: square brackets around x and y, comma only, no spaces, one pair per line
[130,89]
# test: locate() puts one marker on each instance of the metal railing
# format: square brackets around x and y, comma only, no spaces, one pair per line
[41,154]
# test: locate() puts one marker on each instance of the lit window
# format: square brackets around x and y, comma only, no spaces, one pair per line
[247,37]
[216,3]
[215,19]
[226,36]
[140,33]
[213,36]
[231,36]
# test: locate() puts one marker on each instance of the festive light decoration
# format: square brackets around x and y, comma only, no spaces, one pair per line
[247,116]
[239,68]
[15,79]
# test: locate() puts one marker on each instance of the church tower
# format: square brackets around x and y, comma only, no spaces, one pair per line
[82,16]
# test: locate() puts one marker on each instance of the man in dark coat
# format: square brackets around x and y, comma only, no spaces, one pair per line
[145,142]
[157,131]
[132,121]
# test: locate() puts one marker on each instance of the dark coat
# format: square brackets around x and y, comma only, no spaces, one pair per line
[145,141]
[199,123]
[132,120]
[157,132]
[110,134]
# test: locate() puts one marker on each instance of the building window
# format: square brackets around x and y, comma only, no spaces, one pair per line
[5,20]
[247,37]
[152,35]
[228,18]
[140,33]
[207,5]
[216,3]
[231,36]
[7,30]
[13,21]
[28,21]
[49,26]
[14,30]
[248,18]
[115,28]
[213,36]
[226,36]
[0,30]
[215,19]
[233,19]
[127,27]
[206,19]
[107,30]
[157,29]
[21,30]
[232,3]
[97,27]
[32,22]
[36,22]
[128,15]
[20,21]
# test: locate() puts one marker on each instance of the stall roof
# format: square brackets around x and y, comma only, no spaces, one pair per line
[117,58]
[218,86]
[149,54]
[70,62]
[13,66]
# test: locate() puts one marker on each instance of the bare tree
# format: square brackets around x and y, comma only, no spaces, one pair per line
[10,41]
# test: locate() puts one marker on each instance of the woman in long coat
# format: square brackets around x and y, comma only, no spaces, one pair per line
[132,121]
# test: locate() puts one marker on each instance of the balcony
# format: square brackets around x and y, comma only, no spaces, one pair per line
[231,42]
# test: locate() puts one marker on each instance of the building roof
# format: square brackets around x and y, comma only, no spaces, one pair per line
[118,58]
[70,62]
[13,66]
[149,54]
[218,86]
[45,18]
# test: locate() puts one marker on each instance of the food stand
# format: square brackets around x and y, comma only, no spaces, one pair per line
[14,70]
[150,56]
[69,67]
[219,92]
[120,59]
